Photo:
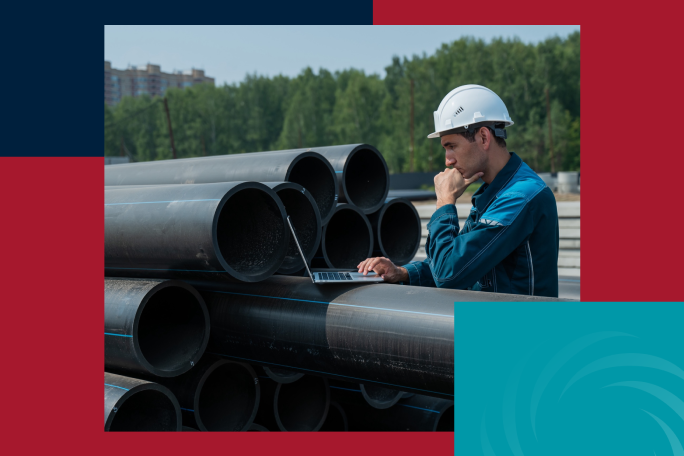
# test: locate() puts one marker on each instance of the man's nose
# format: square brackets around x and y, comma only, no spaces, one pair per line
[449,161]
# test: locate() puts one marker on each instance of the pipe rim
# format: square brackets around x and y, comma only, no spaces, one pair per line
[324,415]
[381,201]
[345,422]
[216,365]
[343,207]
[377,403]
[381,216]
[186,366]
[443,409]
[314,247]
[325,218]
[278,254]
[278,378]
[141,389]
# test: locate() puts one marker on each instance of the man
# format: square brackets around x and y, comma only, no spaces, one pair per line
[509,243]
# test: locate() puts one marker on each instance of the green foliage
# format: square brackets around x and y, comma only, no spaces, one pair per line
[322,108]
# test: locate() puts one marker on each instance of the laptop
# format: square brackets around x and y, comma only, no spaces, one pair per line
[333,277]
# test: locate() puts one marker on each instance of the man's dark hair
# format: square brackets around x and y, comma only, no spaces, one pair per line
[471,136]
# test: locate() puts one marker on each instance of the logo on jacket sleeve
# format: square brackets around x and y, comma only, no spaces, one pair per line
[490,222]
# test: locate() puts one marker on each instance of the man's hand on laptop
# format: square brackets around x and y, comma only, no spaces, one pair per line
[384,268]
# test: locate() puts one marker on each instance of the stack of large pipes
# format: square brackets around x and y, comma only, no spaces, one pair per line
[193,344]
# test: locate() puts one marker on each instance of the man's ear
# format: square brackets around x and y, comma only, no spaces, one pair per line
[486,137]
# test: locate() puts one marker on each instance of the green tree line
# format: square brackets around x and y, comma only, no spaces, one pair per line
[323,108]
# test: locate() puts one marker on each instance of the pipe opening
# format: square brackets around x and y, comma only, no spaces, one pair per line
[336,421]
[250,232]
[171,329]
[445,422]
[365,179]
[347,239]
[399,233]
[380,397]
[314,175]
[305,224]
[145,411]
[227,399]
[257,428]
[302,406]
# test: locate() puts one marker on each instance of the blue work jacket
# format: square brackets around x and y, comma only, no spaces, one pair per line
[509,243]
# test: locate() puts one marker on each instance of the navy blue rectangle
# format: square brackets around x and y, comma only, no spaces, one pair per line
[52,84]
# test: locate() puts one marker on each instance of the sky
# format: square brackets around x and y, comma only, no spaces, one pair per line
[228,53]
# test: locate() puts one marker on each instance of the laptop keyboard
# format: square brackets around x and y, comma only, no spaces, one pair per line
[334,276]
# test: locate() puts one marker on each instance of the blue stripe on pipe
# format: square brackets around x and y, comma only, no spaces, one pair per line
[160,202]
[362,380]
[338,172]
[120,335]
[114,386]
[187,410]
[332,303]
[346,389]
[419,408]
[178,270]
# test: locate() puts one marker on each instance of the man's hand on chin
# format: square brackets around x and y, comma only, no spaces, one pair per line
[450,184]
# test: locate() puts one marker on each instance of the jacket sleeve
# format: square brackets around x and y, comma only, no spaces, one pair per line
[458,260]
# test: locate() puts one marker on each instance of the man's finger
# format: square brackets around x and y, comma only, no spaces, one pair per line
[473,178]
[362,264]
[372,265]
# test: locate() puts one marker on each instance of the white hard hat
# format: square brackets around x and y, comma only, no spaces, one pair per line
[470,105]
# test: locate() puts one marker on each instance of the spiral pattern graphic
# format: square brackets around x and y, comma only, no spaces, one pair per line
[553,389]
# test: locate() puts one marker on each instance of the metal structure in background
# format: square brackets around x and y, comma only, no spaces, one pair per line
[308,169]
[236,230]
[346,240]
[137,405]
[157,327]
[216,395]
[396,230]
[362,174]
[300,406]
[306,220]
[363,333]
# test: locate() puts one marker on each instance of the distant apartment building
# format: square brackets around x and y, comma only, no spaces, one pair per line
[135,81]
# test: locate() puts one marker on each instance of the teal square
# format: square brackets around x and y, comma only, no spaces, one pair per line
[574,378]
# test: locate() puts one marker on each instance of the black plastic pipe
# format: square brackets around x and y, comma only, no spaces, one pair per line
[217,395]
[419,413]
[306,221]
[396,230]
[346,240]
[236,229]
[300,406]
[158,327]
[362,174]
[306,168]
[336,421]
[138,405]
[364,333]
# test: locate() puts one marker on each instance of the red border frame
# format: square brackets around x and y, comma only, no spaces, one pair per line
[52,234]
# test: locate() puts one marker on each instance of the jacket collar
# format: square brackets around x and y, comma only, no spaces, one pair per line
[486,193]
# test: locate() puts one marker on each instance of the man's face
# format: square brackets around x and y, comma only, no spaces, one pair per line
[467,157]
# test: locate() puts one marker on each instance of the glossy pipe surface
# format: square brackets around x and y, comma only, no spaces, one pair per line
[308,169]
[138,405]
[235,229]
[157,327]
